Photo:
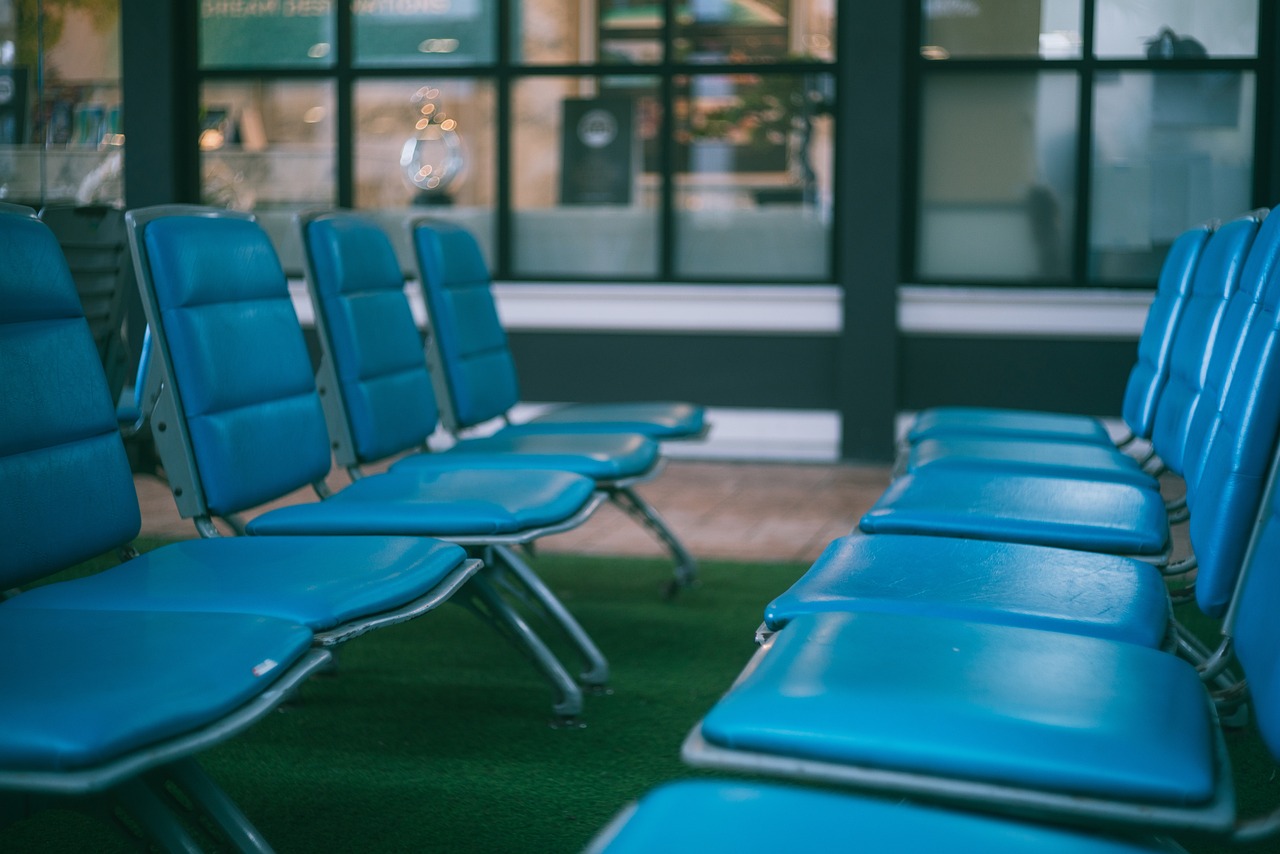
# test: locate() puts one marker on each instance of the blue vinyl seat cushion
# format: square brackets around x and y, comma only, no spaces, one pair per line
[1008,423]
[656,419]
[1115,518]
[1029,456]
[486,502]
[699,816]
[1083,593]
[602,457]
[977,702]
[318,582]
[91,686]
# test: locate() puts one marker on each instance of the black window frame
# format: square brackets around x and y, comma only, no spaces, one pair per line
[1087,66]
[504,72]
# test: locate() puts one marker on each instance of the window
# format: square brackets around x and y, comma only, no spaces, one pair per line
[596,140]
[61,135]
[1067,142]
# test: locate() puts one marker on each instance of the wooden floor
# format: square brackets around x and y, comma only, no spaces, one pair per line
[739,511]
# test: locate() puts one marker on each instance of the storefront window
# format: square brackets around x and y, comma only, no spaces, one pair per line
[426,147]
[955,29]
[754,163]
[556,154]
[1049,155]
[1170,148]
[1176,29]
[266,34]
[61,121]
[997,177]
[585,203]
[268,147]
[409,33]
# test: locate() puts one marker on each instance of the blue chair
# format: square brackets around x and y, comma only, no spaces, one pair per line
[1145,384]
[703,816]
[966,714]
[1035,442]
[93,242]
[1083,592]
[1028,722]
[238,422]
[476,373]
[378,394]
[1107,516]
[104,705]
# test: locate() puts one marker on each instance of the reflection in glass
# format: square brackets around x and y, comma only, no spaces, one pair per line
[61,140]
[997,173]
[268,147]
[555,32]
[1175,29]
[704,30]
[1000,28]
[583,206]
[433,157]
[754,157]
[395,33]
[754,30]
[292,34]
[426,147]
[1170,149]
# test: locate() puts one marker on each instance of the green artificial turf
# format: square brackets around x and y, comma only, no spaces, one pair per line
[434,735]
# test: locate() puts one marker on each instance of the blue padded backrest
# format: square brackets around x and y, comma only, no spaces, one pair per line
[1257,641]
[66,492]
[370,335]
[1228,355]
[1150,373]
[239,363]
[479,371]
[1216,278]
[1241,440]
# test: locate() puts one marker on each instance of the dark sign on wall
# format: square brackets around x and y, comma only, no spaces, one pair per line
[597,152]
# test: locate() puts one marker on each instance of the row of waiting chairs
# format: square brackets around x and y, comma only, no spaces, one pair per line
[990,662]
[125,674]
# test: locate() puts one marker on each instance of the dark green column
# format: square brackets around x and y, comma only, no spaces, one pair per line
[868,236]
[161,102]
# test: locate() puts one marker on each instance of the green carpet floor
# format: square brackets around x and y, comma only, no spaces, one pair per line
[434,735]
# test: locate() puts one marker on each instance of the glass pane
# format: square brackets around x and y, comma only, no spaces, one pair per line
[975,28]
[560,32]
[754,30]
[424,32]
[62,141]
[268,147]
[1170,149]
[582,206]
[630,33]
[1174,29]
[426,147]
[266,33]
[754,153]
[997,177]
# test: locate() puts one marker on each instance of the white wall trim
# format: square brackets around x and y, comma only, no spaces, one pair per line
[1073,313]
[765,309]
[781,435]
[800,309]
